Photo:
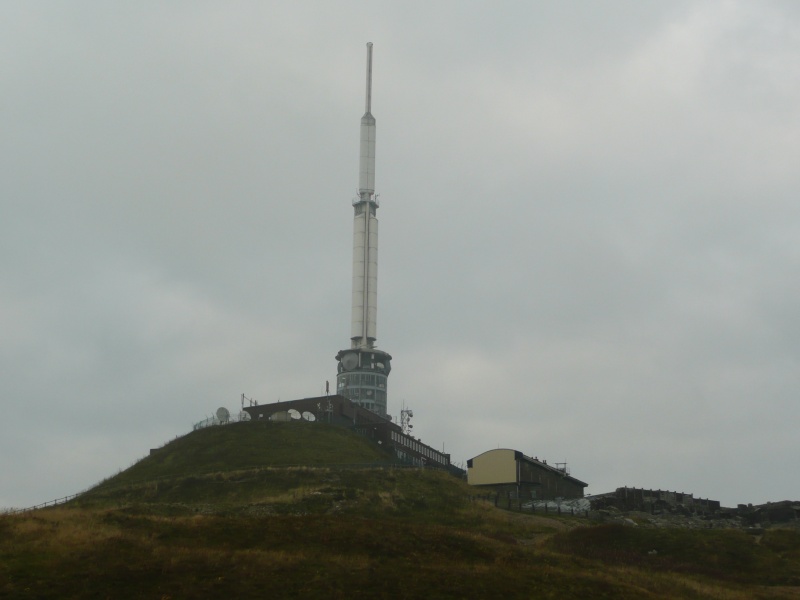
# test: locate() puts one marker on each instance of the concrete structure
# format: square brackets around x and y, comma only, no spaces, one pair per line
[511,472]
[640,499]
[363,370]
[338,410]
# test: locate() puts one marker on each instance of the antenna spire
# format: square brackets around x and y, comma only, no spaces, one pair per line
[369,78]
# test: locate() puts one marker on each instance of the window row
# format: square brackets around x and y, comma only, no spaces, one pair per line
[365,394]
[365,379]
[419,447]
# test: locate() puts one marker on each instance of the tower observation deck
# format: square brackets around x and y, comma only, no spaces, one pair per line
[363,369]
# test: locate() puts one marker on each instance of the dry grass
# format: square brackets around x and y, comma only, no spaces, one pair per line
[85,553]
[208,530]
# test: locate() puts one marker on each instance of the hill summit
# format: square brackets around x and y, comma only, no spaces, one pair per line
[270,467]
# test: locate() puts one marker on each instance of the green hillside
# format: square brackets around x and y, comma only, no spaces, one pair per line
[249,445]
[299,510]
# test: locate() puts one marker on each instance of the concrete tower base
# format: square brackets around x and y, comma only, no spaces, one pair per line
[361,377]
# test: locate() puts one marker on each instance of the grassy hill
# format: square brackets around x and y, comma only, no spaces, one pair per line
[226,452]
[281,510]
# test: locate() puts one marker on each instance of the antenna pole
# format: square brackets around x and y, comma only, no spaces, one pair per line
[368,108]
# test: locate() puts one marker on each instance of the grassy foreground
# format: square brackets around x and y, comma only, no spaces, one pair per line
[183,524]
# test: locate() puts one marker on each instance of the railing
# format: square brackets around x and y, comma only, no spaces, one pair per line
[49,503]
[215,421]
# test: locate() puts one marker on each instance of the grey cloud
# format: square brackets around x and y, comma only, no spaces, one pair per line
[588,229]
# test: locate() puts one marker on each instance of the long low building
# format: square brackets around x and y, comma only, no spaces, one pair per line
[510,471]
[626,498]
[338,410]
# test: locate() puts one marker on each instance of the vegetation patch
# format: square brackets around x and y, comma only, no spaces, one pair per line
[228,512]
[726,554]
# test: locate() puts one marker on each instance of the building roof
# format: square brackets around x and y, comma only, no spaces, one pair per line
[342,410]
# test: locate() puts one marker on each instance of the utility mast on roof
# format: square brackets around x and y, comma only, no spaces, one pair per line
[362,369]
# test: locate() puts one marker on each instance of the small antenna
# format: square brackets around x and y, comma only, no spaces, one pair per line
[406,414]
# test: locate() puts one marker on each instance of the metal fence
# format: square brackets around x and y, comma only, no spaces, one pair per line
[215,420]
[49,503]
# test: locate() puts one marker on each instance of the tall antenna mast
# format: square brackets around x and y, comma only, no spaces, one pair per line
[365,232]
[363,369]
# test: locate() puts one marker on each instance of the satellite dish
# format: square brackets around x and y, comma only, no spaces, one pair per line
[223,415]
[350,361]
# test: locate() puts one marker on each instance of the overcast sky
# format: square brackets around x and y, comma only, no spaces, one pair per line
[589,244]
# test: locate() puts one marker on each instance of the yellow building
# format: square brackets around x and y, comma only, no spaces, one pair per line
[505,470]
